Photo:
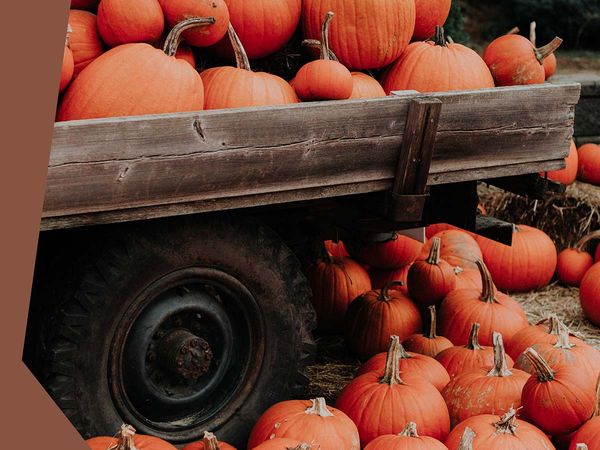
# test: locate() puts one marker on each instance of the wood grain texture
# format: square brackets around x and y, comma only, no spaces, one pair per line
[153,166]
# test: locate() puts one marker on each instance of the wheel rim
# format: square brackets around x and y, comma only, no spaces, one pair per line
[186,354]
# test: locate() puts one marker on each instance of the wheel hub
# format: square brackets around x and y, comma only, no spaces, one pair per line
[185,355]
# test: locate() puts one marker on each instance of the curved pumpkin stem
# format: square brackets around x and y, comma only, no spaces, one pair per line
[439,38]
[563,337]
[507,423]
[466,441]
[174,38]
[500,368]
[587,238]
[319,408]
[241,57]
[384,294]
[325,36]
[391,375]
[210,441]
[432,323]
[487,294]
[473,343]
[434,253]
[545,51]
[124,439]
[315,43]
[543,369]
[410,430]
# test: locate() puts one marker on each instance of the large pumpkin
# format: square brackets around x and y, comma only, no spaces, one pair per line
[573,263]
[382,403]
[457,247]
[68,64]
[589,294]
[557,399]
[407,439]
[410,365]
[126,439]
[428,343]
[335,282]
[178,10]
[375,316]
[435,66]
[136,79]
[529,263]
[485,390]
[236,87]
[308,421]
[84,41]
[393,253]
[568,175]
[429,14]
[494,433]
[209,442]
[589,163]
[494,310]
[367,34]
[128,21]
[513,60]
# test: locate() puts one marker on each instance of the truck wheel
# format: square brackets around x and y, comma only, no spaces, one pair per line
[181,327]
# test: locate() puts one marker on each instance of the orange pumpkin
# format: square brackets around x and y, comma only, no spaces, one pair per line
[237,87]
[467,279]
[435,66]
[209,442]
[136,79]
[308,421]
[573,263]
[429,13]
[513,60]
[376,315]
[84,41]
[128,21]
[365,86]
[485,390]
[353,38]
[589,163]
[68,64]
[176,11]
[589,294]
[381,277]
[550,62]
[589,432]
[393,253]
[457,247]
[568,175]
[407,439]
[429,343]
[126,439]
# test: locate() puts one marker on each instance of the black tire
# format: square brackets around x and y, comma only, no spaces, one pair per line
[91,325]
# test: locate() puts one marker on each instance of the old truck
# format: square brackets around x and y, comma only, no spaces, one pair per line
[169,291]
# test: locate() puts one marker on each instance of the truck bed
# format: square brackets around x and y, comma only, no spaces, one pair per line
[122,169]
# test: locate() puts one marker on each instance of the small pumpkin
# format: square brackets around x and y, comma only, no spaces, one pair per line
[393,252]
[84,41]
[485,390]
[68,64]
[407,439]
[410,364]
[431,279]
[589,294]
[381,277]
[236,87]
[557,399]
[308,421]
[436,66]
[568,175]
[136,79]
[209,442]
[513,60]
[176,11]
[589,163]
[127,439]
[428,343]
[429,13]
[376,315]
[381,405]
[550,63]
[573,263]
[128,21]
[457,248]
[365,86]
[459,359]
[589,432]
[324,78]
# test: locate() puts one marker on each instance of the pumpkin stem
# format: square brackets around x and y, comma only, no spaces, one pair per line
[434,253]
[315,43]
[584,240]
[241,57]
[319,408]
[432,323]
[581,446]
[325,36]
[543,369]
[473,343]
[210,441]
[439,38]
[487,294]
[449,39]
[391,375]
[507,423]
[532,37]
[514,30]
[384,294]
[466,441]
[410,430]
[174,38]
[545,51]
[500,368]
[124,439]
[563,337]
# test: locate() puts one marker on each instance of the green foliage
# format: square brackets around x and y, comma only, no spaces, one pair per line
[455,24]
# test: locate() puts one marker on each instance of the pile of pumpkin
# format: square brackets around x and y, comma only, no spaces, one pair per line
[112,67]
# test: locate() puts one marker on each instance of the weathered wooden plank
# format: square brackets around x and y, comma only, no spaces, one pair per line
[587,112]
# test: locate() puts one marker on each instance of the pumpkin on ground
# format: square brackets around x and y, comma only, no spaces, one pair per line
[431,279]
[485,390]
[209,442]
[410,364]
[529,263]
[381,277]
[513,60]
[308,421]
[428,343]
[457,248]
[495,310]
[136,79]
[550,61]
[236,87]
[126,439]
[365,86]
[353,38]
[324,78]
[84,41]
[129,21]
[589,432]
[499,433]
[68,64]
[573,263]
[568,175]
[557,399]
[407,439]
[381,405]
[589,163]
[436,66]
[375,316]
[396,251]
[589,294]
[429,13]
[459,359]
[176,11]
